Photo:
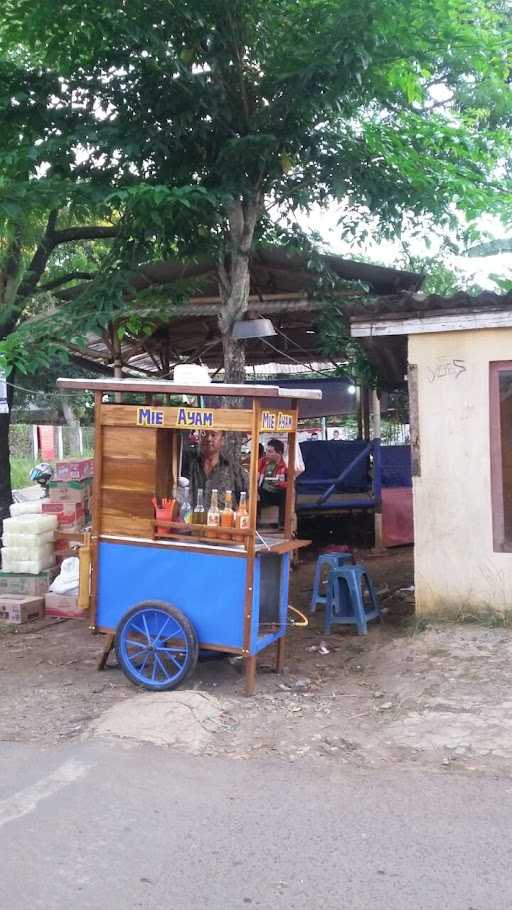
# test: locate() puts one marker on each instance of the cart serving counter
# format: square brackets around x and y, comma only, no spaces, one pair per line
[163,589]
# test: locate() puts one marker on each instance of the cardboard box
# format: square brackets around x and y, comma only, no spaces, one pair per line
[70,490]
[70,515]
[63,605]
[21,609]
[12,583]
[74,468]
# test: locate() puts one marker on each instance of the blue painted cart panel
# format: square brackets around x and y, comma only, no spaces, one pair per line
[209,589]
[260,638]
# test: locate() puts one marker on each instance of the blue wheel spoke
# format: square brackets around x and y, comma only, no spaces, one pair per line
[143,664]
[164,671]
[153,672]
[163,627]
[145,623]
[136,644]
[133,625]
[172,650]
[179,666]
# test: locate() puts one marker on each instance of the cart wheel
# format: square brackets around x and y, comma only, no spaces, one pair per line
[156,645]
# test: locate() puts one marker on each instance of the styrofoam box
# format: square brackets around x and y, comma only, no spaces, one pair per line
[26,508]
[31,524]
[27,566]
[40,551]
[16,539]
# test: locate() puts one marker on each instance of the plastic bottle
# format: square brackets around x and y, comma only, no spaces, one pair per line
[186,510]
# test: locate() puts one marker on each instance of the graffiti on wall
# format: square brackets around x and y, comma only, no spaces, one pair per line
[446,368]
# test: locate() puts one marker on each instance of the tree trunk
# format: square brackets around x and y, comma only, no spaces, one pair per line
[74,425]
[234,286]
[5,458]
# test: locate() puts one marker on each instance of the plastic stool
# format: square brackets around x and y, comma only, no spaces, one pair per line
[333,561]
[345,602]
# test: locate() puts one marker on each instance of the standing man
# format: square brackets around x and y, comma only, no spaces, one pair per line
[209,469]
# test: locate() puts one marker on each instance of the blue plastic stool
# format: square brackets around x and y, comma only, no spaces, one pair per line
[333,561]
[345,599]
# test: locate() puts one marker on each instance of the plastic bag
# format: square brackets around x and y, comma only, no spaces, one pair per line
[67,580]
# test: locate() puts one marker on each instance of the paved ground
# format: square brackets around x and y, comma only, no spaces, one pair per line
[373,775]
[91,824]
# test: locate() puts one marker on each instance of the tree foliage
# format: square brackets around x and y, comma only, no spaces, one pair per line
[147,128]
[206,119]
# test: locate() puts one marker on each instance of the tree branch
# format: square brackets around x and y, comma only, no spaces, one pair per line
[40,257]
[85,232]
[63,279]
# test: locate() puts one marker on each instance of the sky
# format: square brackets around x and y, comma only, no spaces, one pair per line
[477,269]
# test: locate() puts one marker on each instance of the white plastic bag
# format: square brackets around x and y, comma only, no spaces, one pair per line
[67,580]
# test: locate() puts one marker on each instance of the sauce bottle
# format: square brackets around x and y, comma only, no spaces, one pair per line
[213,518]
[227,516]
[198,515]
[242,515]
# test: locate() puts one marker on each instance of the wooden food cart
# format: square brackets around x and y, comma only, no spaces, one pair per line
[161,590]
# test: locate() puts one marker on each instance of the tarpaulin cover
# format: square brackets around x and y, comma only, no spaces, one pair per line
[396,466]
[324,461]
[397,516]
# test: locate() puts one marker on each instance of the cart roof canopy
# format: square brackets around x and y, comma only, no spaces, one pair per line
[166,387]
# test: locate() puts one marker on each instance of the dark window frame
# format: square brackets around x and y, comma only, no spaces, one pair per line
[500,542]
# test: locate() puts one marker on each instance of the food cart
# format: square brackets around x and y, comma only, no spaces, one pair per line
[162,590]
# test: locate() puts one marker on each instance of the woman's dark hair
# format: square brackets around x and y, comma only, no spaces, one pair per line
[277,445]
[261,450]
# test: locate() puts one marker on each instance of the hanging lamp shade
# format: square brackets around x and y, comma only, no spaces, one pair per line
[252,328]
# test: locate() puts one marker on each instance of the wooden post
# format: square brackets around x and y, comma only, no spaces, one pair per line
[60,442]
[250,675]
[35,442]
[290,487]
[376,427]
[280,655]
[359,406]
[84,555]
[96,502]
[250,660]
[366,412]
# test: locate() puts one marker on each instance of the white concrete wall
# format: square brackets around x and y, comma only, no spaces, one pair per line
[456,570]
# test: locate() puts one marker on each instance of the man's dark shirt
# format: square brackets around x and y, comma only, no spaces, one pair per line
[224,477]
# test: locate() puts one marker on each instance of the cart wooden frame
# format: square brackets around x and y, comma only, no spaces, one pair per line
[235,593]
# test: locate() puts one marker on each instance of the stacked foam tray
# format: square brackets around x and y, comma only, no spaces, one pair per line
[28,541]
[28,559]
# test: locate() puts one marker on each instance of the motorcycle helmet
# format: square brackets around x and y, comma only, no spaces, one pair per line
[42,473]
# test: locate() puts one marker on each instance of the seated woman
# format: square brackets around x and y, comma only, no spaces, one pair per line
[272,478]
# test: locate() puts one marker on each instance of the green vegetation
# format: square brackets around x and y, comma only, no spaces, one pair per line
[146,129]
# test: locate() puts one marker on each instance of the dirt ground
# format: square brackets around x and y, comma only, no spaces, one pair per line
[408,693]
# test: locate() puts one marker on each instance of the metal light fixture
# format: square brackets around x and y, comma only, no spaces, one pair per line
[252,328]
